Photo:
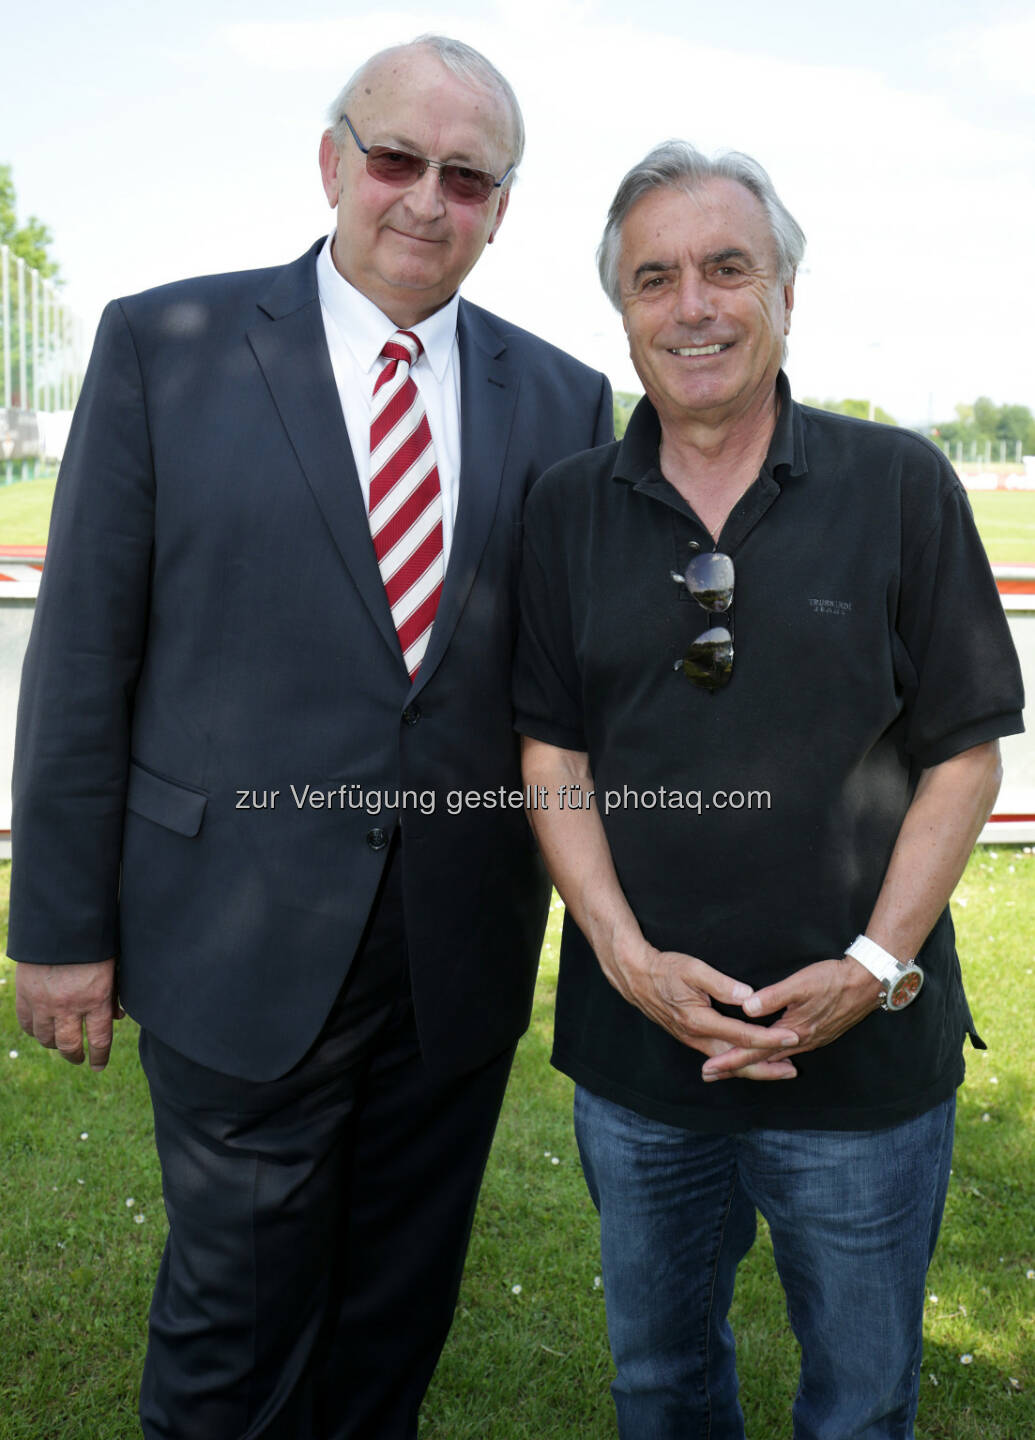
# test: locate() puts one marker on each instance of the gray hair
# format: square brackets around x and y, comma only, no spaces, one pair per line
[678,165]
[464,62]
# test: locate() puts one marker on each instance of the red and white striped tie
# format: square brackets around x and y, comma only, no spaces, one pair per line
[405,500]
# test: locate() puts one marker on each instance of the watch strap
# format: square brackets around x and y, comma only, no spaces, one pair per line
[881,964]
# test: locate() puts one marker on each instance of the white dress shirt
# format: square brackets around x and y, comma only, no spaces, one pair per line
[357,332]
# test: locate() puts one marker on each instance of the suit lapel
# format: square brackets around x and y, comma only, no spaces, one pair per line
[488,394]
[291,348]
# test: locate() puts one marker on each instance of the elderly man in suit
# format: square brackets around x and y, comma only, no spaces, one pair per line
[272,645]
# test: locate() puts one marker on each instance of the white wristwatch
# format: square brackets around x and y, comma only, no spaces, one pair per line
[901,981]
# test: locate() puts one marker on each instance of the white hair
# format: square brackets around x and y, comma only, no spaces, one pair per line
[679,166]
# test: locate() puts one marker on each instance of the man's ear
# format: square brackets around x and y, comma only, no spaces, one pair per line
[329,162]
[504,202]
[788,305]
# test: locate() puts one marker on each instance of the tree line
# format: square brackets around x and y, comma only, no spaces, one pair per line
[29,241]
[975,425]
[984,421]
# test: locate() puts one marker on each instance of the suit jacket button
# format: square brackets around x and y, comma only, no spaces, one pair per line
[411,714]
[377,838]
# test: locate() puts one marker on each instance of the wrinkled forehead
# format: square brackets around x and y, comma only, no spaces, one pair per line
[694,222]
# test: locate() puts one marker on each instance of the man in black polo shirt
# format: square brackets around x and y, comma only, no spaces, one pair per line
[761,677]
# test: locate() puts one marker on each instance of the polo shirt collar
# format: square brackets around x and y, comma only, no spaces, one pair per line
[787,446]
[637,457]
[365,330]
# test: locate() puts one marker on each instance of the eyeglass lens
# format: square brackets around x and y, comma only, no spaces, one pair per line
[399,167]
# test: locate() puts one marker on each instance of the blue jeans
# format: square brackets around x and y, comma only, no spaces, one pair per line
[854,1217]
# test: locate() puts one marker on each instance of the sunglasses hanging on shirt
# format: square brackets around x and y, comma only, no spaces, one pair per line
[709,578]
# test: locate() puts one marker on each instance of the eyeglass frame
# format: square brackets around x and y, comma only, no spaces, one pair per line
[423,160]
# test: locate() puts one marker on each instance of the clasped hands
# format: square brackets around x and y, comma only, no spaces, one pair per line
[818,1003]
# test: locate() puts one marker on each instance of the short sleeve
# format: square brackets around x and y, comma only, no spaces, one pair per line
[547,687]
[962,676]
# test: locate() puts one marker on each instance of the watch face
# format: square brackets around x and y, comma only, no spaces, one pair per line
[905,989]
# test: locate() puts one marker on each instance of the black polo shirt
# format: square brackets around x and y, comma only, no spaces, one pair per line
[752,826]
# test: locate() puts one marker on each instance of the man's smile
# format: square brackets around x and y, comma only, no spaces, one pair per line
[409,235]
[694,350]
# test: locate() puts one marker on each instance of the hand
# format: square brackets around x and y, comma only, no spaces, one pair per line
[819,1002]
[54,1002]
[676,992]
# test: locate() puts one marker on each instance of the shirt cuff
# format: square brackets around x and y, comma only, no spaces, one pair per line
[979,732]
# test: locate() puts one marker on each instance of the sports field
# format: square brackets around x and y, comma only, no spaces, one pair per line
[1006,519]
[82,1225]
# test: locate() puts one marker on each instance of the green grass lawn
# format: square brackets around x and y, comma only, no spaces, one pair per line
[1006,519]
[81,1220]
[81,1230]
[25,511]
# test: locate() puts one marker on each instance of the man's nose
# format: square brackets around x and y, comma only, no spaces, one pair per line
[425,197]
[695,299]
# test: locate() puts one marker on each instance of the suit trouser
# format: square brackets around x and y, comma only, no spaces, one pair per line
[317,1223]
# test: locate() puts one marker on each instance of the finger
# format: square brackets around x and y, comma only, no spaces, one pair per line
[702,1023]
[42,1027]
[772,998]
[23,1013]
[765,1070]
[713,982]
[734,1062]
[98,1037]
[68,1037]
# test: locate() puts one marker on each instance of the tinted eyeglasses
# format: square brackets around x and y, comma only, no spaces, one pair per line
[709,579]
[398,167]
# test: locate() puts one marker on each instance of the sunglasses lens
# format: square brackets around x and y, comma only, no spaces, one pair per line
[709,579]
[393,167]
[399,167]
[709,661]
[466,186]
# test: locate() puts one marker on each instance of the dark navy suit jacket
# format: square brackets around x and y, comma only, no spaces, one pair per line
[212,624]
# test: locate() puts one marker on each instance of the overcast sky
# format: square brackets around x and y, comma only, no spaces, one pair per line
[170,141]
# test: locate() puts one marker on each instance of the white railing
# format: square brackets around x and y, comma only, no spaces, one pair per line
[41,345]
[1012,821]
